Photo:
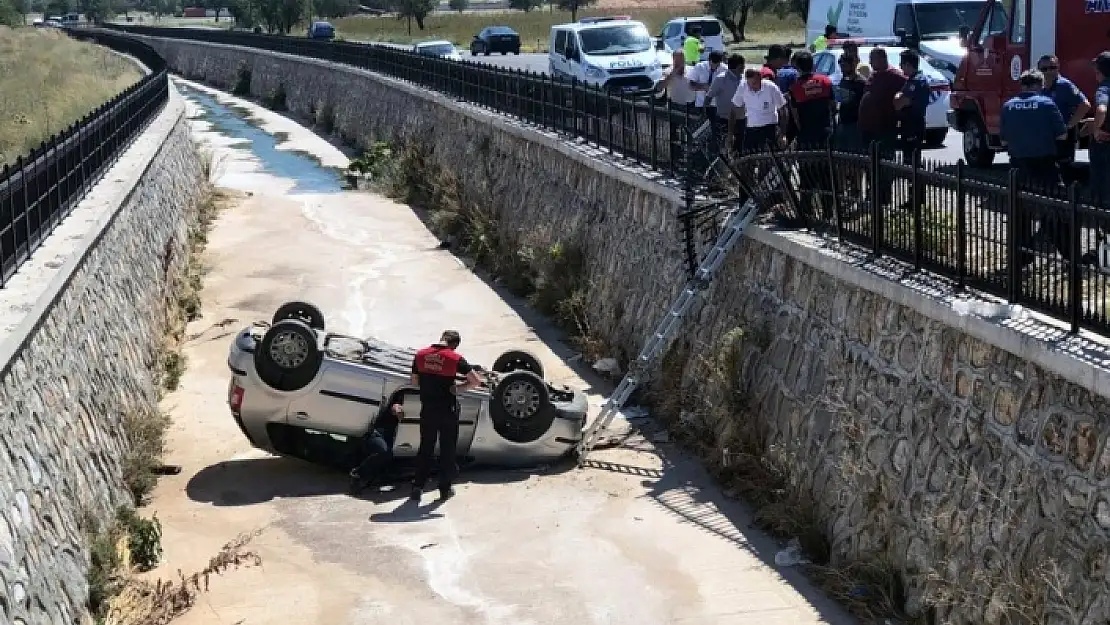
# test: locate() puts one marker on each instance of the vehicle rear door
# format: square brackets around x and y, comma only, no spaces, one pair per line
[673,35]
[407,441]
[992,60]
[711,35]
[344,399]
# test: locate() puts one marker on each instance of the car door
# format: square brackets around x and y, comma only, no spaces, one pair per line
[480,41]
[343,400]
[407,441]
[989,58]
[675,35]
[558,57]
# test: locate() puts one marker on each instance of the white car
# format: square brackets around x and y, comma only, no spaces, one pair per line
[674,34]
[827,62]
[442,49]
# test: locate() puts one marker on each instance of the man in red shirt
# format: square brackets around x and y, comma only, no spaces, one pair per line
[812,107]
[878,120]
[434,370]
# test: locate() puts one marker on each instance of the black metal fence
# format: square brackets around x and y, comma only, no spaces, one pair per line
[635,124]
[41,189]
[1047,249]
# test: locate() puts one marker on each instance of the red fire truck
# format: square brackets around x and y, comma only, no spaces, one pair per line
[1007,39]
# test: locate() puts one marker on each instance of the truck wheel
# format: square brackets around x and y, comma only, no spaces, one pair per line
[977,152]
[518,360]
[301,311]
[288,357]
[521,408]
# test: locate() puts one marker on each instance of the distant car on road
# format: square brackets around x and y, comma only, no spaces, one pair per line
[298,390]
[827,62]
[321,30]
[442,49]
[495,39]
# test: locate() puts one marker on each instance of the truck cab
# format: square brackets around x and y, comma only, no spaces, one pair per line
[1007,39]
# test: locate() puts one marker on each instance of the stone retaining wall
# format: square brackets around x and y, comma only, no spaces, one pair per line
[93,304]
[966,454]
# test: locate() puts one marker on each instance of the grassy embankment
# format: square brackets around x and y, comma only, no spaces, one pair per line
[535,26]
[48,81]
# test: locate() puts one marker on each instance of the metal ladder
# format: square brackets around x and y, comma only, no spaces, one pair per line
[733,230]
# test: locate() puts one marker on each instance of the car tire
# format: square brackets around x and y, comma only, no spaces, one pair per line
[936,137]
[520,407]
[977,153]
[303,311]
[288,357]
[486,52]
[518,360]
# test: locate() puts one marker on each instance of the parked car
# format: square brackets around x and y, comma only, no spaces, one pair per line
[674,34]
[615,54]
[827,62]
[442,49]
[298,390]
[495,39]
[321,30]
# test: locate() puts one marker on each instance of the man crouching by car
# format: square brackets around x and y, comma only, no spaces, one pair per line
[377,447]
[434,370]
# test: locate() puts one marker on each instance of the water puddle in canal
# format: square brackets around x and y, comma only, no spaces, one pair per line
[235,124]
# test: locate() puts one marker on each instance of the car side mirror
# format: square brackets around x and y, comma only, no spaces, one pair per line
[965,32]
[998,44]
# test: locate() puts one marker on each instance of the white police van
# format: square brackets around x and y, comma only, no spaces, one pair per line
[615,53]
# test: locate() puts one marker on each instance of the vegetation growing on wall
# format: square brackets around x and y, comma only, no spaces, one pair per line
[536,264]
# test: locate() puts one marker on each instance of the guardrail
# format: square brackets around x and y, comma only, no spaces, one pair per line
[959,227]
[41,189]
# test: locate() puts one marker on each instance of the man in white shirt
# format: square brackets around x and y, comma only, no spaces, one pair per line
[701,78]
[762,103]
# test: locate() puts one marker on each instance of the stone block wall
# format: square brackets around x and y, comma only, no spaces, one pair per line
[86,363]
[969,467]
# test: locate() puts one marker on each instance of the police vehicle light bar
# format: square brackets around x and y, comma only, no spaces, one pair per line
[611,18]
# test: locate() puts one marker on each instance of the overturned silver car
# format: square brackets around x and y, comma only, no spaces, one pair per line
[298,390]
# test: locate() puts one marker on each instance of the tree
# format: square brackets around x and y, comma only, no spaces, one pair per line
[525,5]
[332,9]
[58,7]
[459,5]
[95,10]
[414,10]
[9,14]
[734,13]
[573,6]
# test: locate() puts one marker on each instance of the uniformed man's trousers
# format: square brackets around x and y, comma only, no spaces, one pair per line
[440,425]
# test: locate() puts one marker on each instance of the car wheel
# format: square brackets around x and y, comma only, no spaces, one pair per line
[486,52]
[935,138]
[504,52]
[518,360]
[288,357]
[302,311]
[976,151]
[517,52]
[520,407]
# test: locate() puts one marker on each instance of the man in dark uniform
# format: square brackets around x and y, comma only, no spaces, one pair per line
[1073,107]
[1100,133]
[434,371]
[1030,125]
[911,102]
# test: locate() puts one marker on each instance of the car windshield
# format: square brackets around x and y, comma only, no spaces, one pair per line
[613,40]
[708,28]
[437,49]
[940,20]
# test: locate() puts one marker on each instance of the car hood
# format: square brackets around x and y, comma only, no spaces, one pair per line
[945,55]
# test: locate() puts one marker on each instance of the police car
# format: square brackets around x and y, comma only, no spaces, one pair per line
[297,390]
[827,62]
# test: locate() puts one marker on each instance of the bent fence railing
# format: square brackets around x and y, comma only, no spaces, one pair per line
[960,227]
[41,188]
[1046,248]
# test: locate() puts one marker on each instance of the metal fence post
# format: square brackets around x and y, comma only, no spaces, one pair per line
[1012,238]
[918,213]
[833,187]
[1075,281]
[876,208]
[961,227]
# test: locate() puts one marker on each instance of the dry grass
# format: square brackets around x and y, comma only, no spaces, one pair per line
[49,81]
[535,26]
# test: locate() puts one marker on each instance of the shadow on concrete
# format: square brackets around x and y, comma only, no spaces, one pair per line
[409,512]
[252,481]
[686,491]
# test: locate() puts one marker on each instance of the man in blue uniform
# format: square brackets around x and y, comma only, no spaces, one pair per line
[1072,103]
[1031,125]
[910,104]
[1100,133]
